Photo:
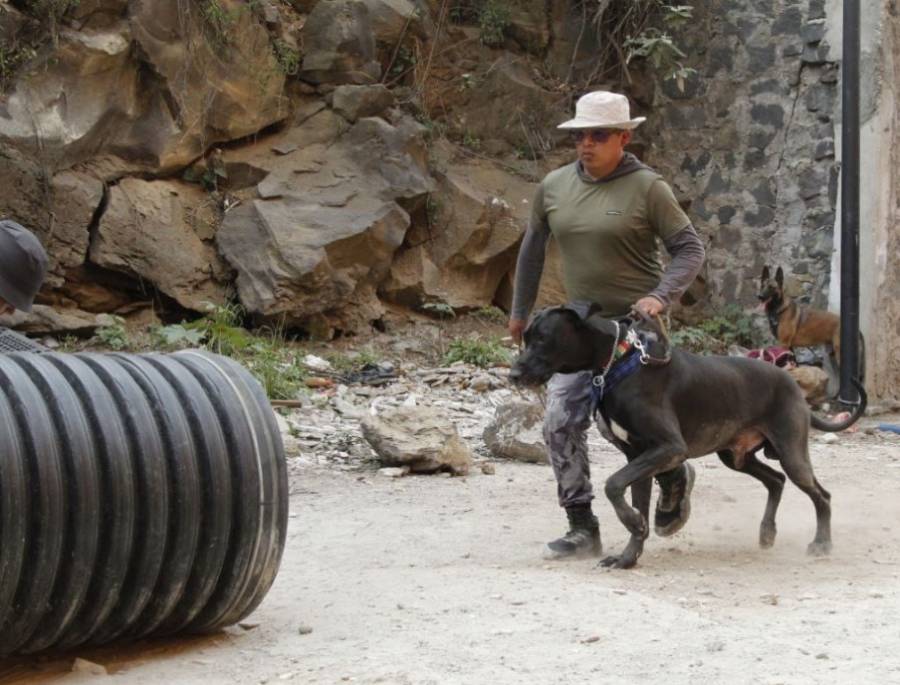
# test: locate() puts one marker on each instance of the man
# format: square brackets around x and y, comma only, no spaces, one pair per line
[23,264]
[607,212]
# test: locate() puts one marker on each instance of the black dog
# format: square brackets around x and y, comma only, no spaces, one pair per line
[690,406]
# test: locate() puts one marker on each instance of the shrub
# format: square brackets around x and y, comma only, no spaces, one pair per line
[482,353]
[730,326]
[493,22]
[113,336]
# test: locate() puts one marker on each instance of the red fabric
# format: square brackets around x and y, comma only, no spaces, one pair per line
[779,356]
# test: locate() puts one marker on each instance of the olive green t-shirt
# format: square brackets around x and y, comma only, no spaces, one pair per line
[608,232]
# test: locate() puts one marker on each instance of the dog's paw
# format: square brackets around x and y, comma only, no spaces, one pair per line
[819,549]
[766,536]
[618,561]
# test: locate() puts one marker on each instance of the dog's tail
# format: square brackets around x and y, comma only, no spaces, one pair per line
[858,409]
[862,356]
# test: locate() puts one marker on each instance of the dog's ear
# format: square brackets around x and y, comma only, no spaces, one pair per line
[596,322]
[765,274]
[779,277]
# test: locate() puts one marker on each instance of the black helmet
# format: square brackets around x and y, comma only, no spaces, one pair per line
[23,263]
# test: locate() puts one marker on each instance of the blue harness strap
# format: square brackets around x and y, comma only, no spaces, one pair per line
[601,386]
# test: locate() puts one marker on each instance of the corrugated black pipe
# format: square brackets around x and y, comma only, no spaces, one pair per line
[850,203]
[139,495]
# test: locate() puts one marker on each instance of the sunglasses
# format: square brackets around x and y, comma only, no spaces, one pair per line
[597,135]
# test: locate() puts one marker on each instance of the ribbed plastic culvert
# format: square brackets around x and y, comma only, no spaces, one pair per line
[139,495]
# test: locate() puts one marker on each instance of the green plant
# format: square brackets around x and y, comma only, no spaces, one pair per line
[467,81]
[634,30]
[218,22]
[490,314]
[471,141]
[463,11]
[113,335]
[522,151]
[432,209]
[730,326]
[493,22]
[208,177]
[433,129]
[50,13]
[221,329]
[11,58]
[288,58]
[442,310]
[69,343]
[403,62]
[278,369]
[482,353]
[346,363]
[177,336]
[657,47]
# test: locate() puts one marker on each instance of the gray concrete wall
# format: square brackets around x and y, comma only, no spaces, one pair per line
[879,173]
[753,144]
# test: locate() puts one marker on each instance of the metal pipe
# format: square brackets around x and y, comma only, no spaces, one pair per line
[850,202]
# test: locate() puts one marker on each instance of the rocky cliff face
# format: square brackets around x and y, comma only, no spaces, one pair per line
[316,159]
[174,154]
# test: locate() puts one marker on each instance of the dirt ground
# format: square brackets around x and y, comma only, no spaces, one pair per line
[439,580]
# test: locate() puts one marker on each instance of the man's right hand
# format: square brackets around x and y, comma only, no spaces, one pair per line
[516,328]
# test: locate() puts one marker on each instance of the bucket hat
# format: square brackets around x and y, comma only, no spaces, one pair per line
[602,109]
[23,264]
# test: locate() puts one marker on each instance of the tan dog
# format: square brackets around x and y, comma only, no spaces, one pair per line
[794,325]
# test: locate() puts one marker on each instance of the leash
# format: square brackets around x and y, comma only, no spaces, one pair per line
[663,340]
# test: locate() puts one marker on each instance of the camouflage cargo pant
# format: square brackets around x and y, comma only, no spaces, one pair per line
[567,419]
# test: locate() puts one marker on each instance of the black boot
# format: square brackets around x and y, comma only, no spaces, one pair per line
[673,506]
[583,538]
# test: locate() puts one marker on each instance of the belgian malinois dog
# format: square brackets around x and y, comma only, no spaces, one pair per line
[794,325]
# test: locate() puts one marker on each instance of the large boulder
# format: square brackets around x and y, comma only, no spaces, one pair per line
[397,23]
[323,234]
[59,212]
[421,438]
[357,102]
[162,232]
[12,21]
[517,432]
[508,105]
[465,253]
[339,44]
[96,14]
[75,103]
[146,93]
[43,320]
[295,259]
[224,80]
[75,198]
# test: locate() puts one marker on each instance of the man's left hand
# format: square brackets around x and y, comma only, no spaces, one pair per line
[650,306]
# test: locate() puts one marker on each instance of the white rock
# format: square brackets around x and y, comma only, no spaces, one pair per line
[89,667]
[315,363]
[394,471]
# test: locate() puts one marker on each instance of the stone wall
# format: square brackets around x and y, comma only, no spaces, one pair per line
[749,143]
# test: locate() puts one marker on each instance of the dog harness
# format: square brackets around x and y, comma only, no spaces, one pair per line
[628,356]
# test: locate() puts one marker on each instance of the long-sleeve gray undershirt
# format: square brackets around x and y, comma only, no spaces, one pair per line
[685,248]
